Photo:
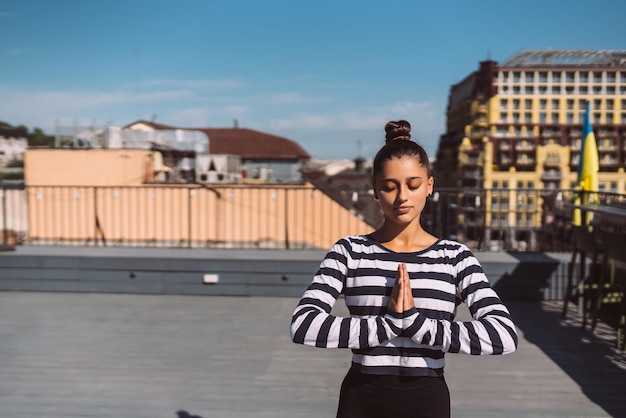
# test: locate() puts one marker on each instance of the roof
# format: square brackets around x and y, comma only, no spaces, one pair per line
[567,57]
[247,143]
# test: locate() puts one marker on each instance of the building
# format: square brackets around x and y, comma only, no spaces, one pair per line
[513,136]
[12,145]
[263,156]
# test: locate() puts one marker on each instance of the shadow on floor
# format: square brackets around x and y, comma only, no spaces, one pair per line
[589,359]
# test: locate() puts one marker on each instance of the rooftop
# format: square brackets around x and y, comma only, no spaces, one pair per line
[567,57]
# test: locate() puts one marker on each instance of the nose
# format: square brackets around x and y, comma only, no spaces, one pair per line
[402,193]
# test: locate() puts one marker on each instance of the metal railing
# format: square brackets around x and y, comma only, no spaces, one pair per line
[278,216]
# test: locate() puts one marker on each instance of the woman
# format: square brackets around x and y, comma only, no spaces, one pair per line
[401,286]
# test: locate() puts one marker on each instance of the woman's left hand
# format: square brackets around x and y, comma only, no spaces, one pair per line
[405,287]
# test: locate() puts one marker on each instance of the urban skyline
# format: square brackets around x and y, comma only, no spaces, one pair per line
[327,76]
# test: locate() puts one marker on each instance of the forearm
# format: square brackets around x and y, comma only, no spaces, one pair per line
[315,327]
[492,334]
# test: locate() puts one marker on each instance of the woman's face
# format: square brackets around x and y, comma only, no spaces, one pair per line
[402,187]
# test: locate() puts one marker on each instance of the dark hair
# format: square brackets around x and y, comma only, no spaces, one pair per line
[398,144]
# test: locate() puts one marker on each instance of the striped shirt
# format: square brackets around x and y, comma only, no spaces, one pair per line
[413,342]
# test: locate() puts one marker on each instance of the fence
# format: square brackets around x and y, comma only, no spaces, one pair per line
[177,216]
[273,216]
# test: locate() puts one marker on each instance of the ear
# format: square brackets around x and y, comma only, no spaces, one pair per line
[431,185]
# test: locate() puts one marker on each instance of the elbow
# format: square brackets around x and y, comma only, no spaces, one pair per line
[511,345]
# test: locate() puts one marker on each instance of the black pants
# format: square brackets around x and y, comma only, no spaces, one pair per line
[381,396]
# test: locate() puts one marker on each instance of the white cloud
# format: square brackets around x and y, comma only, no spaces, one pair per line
[42,108]
[194,84]
[418,113]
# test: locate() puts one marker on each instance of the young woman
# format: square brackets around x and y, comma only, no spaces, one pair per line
[402,286]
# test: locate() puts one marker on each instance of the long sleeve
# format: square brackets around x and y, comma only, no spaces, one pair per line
[491,331]
[312,323]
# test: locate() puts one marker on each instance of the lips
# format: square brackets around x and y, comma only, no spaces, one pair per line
[402,209]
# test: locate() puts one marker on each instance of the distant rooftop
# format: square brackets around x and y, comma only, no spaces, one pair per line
[566,57]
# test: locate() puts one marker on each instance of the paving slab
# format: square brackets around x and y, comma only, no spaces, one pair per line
[174,356]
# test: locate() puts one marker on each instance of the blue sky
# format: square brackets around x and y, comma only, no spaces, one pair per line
[326,74]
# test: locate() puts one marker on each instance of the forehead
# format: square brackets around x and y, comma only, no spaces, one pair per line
[403,167]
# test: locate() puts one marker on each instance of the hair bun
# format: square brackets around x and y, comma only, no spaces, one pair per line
[397,130]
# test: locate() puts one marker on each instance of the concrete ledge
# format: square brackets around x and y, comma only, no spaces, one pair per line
[521,276]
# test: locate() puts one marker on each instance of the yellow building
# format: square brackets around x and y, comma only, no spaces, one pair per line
[513,135]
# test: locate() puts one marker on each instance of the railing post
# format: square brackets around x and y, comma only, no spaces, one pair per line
[96,223]
[189,226]
[286,218]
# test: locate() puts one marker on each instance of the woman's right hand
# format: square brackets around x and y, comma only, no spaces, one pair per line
[401,298]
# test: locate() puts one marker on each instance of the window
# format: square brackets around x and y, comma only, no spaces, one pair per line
[516,90]
[530,185]
[583,90]
[569,118]
[556,90]
[569,77]
[570,104]
[556,77]
[505,76]
[569,90]
[542,117]
[530,77]
[516,76]
[609,104]
[596,117]
[610,90]
[555,118]
[543,104]
[502,117]
[614,186]
[623,103]
[597,103]
[494,185]
[543,90]
[609,118]
[597,89]
[528,117]
[555,104]
[543,77]
[597,77]
[520,184]
[503,103]
[610,77]
[516,104]
[505,185]
[623,119]
[528,104]
[529,90]
[515,117]
[505,89]
[583,77]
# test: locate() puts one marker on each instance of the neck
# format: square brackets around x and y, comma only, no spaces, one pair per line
[403,237]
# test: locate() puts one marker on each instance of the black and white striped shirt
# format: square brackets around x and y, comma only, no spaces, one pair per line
[413,342]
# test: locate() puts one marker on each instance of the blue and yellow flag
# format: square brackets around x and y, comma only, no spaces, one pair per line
[588,166]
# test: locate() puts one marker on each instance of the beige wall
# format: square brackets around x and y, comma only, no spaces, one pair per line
[87,167]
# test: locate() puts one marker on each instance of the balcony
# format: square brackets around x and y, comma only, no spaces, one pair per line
[551,175]
[552,162]
[524,147]
[472,175]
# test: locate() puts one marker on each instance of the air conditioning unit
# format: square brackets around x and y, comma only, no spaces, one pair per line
[218,168]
